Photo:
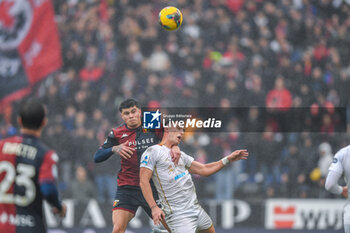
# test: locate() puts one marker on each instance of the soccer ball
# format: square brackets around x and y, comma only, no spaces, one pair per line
[170,18]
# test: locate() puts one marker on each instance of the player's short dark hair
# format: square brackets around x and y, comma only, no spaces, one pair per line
[129,103]
[32,114]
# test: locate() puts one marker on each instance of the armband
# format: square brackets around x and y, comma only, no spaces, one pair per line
[225,161]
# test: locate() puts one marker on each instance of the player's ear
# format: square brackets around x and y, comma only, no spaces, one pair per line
[44,123]
[121,114]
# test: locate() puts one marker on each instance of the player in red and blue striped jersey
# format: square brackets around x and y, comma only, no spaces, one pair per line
[27,175]
[129,141]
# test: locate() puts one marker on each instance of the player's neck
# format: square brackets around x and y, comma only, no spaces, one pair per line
[36,133]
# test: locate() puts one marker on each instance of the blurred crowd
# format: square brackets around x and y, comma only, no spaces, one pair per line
[228,53]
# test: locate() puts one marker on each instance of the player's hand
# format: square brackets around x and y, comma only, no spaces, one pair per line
[175,154]
[157,215]
[123,150]
[238,155]
[345,192]
[62,212]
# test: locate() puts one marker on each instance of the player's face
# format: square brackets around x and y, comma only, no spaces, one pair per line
[132,117]
[176,135]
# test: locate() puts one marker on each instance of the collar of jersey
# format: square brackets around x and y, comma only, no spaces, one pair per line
[161,145]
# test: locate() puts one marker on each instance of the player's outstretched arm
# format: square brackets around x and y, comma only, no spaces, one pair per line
[211,168]
[157,213]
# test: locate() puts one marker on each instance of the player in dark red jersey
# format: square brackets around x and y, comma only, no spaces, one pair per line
[129,141]
[27,175]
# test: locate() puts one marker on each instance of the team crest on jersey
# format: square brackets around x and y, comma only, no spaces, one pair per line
[145,130]
[170,169]
[115,203]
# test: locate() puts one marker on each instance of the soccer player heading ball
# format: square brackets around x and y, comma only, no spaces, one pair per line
[170,18]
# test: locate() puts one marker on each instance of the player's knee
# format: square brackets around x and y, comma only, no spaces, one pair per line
[118,229]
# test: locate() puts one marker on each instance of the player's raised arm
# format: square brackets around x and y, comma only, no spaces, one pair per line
[211,168]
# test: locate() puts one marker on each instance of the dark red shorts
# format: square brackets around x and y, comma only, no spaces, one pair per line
[130,198]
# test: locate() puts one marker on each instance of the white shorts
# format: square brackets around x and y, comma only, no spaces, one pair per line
[190,221]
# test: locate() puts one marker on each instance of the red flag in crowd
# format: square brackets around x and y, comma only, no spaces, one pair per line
[29,46]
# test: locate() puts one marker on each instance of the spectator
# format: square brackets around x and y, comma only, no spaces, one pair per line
[82,189]
[279,97]
[91,72]
[325,159]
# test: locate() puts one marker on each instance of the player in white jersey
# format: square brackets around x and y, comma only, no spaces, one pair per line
[339,167]
[174,184]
